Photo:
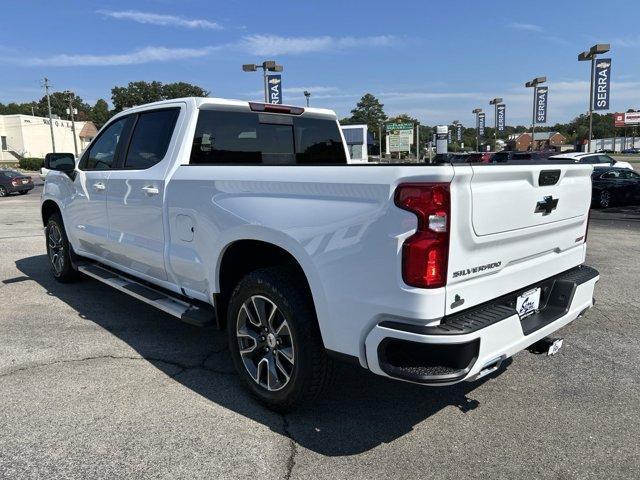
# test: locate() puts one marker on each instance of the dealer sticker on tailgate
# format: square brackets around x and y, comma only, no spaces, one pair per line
[528,302]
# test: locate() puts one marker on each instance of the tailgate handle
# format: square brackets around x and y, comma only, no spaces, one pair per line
[548,177]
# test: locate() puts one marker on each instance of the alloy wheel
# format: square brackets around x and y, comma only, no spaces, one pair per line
[56,247]
[605,198]
[265,343]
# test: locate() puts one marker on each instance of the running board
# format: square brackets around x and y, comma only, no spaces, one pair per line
[197,315]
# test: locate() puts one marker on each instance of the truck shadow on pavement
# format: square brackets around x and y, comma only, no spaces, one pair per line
[360,411]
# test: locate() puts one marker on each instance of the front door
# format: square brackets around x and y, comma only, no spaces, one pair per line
[86,218]
[136,193]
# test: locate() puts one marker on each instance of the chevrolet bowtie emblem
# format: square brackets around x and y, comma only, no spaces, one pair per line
[546,205]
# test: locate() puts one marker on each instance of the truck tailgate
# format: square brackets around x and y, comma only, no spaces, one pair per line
[512,226]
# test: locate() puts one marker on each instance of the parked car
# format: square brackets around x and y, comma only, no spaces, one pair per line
[246,215]
[631,151]
[12,182]
[514,156]
[615,186]
[465,157]
[596,159]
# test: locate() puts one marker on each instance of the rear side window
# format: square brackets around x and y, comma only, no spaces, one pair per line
[151,137]
[262,139]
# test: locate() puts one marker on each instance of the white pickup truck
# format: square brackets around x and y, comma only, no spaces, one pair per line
[247,216]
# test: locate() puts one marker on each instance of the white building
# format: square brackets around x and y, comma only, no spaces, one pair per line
[28,136]
[357,139]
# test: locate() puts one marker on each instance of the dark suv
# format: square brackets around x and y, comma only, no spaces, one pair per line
[12,181]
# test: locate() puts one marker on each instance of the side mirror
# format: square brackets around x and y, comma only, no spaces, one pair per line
[62,162]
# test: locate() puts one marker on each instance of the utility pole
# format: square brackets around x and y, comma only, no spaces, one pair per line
[46,90]
[73,122]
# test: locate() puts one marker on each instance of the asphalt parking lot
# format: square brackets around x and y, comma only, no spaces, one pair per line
[94,384]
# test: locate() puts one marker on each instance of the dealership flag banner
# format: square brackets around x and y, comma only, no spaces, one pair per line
[274,86]
[601,92]
[459,133]
[448,136]
[542,94]
[501,117]
[481,124]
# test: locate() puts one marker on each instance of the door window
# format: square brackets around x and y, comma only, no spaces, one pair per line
[151,138]
[102,153]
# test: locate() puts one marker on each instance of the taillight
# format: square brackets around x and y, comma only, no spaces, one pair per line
[425,253]
[15,183]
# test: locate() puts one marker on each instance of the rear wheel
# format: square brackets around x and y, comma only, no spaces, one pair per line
[275,341]
[605,199]
[3,191]
[59,250]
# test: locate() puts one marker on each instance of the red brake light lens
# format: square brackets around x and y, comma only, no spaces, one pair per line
[425,253]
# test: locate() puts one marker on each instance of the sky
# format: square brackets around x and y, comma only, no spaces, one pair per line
[435,61]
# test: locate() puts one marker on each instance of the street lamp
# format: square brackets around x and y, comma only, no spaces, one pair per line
[534,83]
[307,95]
[266,66]
[591,54]
[495,103]
[477,111]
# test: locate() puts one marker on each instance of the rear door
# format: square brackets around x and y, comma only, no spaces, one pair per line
[513,225]
[136,192]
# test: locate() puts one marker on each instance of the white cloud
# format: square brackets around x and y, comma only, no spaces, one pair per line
[141,55]
[627,42]
[278,45]
[160,19]
[528,27]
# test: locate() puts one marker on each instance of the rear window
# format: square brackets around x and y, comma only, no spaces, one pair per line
[244,138]
[151,138]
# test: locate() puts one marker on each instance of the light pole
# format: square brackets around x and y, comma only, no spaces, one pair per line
[477,111]
[591,55]
[266,66]
[495,103]
[534,83]
[307,95]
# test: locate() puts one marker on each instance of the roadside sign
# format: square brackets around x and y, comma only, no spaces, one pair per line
[400,136]
[542,94]
[481,117]
[459,133]
[601,92]
[274,87]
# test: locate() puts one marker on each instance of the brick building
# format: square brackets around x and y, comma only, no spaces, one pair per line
[543,141]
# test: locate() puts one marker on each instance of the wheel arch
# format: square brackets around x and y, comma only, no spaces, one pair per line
[241,256]
[48,208]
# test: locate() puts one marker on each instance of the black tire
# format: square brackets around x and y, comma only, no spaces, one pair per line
[605,199]
[311,371]
[59,250]
[3,191]
[23,192]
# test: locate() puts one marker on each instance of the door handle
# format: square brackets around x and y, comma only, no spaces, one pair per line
[150,190]
[99,186]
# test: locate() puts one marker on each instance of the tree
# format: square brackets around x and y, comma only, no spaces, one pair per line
[182,89]
[100,113]
[59,105]
[141,92]
[369,110]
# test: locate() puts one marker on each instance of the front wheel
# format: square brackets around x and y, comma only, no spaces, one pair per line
[59,250]
[605,199]
[275,340]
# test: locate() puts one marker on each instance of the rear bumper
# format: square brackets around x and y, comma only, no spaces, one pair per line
[472,343]
[20,188]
